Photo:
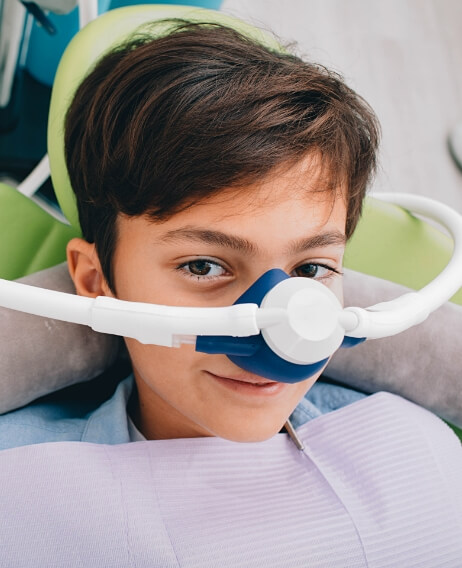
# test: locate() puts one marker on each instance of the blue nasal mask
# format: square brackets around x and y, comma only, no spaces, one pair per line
[281,328]
[254,354]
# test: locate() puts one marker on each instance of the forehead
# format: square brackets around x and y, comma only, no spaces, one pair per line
[298,196]
[275,216]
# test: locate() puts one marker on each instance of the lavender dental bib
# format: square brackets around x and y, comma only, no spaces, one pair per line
[379,485]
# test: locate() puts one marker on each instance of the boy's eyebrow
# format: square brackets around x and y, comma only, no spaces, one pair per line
[189,233]
[317,241]
[245,246]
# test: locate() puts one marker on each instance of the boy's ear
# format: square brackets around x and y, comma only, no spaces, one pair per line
[85,269]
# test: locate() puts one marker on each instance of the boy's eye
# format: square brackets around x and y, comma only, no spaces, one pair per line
[205,269]
[202,268]
[314,270]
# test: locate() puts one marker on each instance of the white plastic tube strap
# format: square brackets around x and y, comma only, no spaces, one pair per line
[389,318]
[46,303]
[158,324]
[148,323]
[36,178]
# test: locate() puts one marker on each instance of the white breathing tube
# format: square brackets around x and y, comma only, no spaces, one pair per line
[390,318]
[309,309]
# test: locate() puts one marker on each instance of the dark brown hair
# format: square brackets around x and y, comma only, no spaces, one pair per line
[160,124]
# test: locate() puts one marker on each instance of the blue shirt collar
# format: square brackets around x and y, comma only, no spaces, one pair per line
[109,422]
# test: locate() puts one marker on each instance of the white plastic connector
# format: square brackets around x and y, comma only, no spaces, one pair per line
[311,330]
[164,325]
[389,318]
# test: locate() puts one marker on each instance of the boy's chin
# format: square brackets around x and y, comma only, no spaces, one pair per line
[252,434]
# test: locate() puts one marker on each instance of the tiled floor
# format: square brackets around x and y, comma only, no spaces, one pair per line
[404,57]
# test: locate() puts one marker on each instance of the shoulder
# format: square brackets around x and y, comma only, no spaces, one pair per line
[395,419]
[424,430]
[421,425]
[387,433]
[396,468]
[38,423]
[51,421]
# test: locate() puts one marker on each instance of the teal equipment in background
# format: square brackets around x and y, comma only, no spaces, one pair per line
[45,50]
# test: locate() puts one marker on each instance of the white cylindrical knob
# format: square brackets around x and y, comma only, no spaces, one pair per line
[311,332]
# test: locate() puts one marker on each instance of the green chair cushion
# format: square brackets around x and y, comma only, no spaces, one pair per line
[392,244]
[31,239]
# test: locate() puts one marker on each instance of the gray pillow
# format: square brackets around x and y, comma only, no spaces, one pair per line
[423,364]
[40,355]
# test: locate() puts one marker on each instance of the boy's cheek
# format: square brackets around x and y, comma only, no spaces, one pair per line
[159,362]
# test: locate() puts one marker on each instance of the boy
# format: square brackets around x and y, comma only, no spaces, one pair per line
[200,160]
[217,149]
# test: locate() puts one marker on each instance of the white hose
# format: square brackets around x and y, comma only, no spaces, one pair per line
[88,11]
[389,318]
[36,178]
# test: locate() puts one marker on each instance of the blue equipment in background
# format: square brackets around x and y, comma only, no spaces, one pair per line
[34,36]
[45,50]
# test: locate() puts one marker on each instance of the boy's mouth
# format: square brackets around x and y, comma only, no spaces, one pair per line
[249,384]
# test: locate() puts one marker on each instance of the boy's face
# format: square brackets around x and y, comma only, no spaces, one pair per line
[209,255]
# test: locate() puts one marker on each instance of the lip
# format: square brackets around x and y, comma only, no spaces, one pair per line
[249,385]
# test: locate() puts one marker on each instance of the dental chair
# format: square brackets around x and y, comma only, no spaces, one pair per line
[406,250]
